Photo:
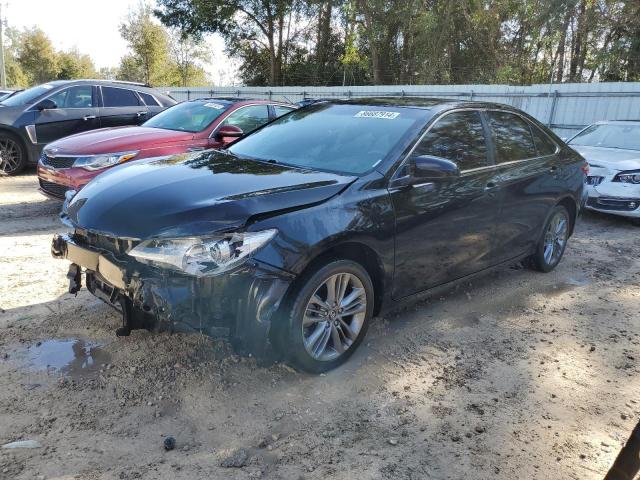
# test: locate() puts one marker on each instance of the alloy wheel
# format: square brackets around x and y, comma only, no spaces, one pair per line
[10,156]
[555,238]
[334,316]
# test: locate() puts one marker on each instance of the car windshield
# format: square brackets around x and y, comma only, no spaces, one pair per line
[27,97]
[188,116]
[343,138]
[611,135]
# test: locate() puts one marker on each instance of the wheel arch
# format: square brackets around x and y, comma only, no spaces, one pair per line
[571,205]
[356,251]
[4,129]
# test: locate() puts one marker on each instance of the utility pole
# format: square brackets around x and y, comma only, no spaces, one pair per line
[3,73]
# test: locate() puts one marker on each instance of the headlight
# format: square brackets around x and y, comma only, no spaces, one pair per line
[628,177]
[202,256]
[96,162]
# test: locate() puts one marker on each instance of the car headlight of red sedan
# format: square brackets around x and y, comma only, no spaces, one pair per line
[96,162]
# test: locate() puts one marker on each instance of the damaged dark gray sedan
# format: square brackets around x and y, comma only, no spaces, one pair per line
[296,235]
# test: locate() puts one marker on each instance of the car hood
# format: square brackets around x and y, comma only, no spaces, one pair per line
[193,194]
[118,139]
[610,158]
[8,115]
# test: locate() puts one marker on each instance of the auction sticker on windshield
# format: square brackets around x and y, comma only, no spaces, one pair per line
[217,106]
[376,114]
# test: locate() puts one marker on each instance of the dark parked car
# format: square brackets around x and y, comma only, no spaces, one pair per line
[69,163]
[303,230]
[39,115]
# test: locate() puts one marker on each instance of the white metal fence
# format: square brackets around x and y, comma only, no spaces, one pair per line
[564,107]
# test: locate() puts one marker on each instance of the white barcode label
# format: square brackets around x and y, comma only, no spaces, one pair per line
[376,114]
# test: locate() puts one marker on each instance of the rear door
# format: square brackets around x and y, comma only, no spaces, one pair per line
[152,103]
[76,111]
[121,106]
[526,159]
[445,228]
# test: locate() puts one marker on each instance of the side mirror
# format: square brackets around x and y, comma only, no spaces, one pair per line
[426,167]
[228,131]
[46,104]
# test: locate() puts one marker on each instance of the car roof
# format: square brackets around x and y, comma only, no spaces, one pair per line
[235,100]
[114,83]
[425,103]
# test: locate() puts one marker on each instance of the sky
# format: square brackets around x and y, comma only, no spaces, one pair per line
[92,26]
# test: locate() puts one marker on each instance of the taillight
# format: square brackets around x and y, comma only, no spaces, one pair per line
[585,168]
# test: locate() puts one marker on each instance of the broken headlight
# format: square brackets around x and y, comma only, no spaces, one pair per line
[202,256]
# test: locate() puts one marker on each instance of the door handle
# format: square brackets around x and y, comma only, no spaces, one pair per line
[88,117]
[553,169]
[141,114]
[490,186]
[195,149]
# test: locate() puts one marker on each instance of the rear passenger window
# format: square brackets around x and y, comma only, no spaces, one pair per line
[544,145]
[458,137]
[248,118]
[119,97]
[149,100]
[512,137]
[280,110]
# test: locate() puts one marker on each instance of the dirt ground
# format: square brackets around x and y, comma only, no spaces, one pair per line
[516,375]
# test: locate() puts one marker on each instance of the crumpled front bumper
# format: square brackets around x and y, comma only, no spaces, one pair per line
[241,303]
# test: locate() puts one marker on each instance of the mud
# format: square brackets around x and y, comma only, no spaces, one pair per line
[515,375]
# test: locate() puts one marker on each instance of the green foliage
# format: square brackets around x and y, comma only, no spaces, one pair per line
[31,59]
[158,57]
[73,64]
[37,57]
[320,42]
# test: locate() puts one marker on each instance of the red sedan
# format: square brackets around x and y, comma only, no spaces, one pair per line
[69,163]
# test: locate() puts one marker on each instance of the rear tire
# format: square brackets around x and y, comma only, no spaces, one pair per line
[327,316]
[553,241]
[13,156]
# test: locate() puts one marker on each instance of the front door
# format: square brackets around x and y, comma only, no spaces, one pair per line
[76,111]
[445,228]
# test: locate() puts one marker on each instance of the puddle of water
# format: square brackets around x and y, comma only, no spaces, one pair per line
[74,357]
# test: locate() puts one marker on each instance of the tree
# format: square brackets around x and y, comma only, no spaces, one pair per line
[186,51]
[16,76]
[73,64]
[255,27]
[37,57]
[148,59]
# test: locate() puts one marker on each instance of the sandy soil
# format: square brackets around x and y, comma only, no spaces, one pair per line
[516,375]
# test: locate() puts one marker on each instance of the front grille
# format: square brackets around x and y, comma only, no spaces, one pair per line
[57,162]
[53,189]
[117,246]
[614,204]
[594,180]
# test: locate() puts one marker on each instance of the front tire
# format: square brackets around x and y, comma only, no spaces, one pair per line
[328,316]
[13,157]
[554,239]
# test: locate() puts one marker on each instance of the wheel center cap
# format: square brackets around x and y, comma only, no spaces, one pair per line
[332,314]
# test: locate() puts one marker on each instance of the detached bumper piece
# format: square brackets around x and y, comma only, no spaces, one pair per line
[240,304]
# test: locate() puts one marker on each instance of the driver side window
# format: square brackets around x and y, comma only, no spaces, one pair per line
[80,96]
[459,137]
